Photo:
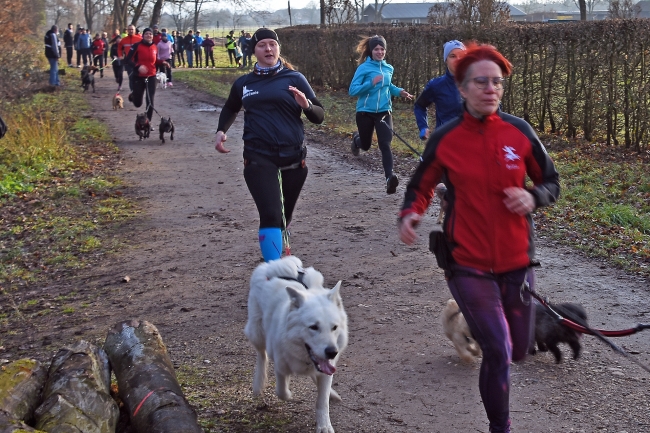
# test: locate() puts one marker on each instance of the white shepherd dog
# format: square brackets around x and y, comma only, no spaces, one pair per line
[301,325]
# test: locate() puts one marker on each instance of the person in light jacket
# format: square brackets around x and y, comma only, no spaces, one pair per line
[373,87]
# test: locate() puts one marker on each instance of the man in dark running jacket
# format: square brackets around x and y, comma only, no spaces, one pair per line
[68,40]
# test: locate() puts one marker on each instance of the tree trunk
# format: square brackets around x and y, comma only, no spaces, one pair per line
[76,395]
[157,11]
[146,380]
[21,383]
[10,425]
[583,10]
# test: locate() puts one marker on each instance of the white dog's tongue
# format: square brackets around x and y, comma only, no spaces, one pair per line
[326,367]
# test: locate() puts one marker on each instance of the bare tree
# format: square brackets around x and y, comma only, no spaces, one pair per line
[58,9]
[379,7]
[181,17]
[444,14]
[482,13]
[261,17]
[339,12]
[623,9]
[157,12]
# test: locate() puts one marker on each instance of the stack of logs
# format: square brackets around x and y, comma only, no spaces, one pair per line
[74,394]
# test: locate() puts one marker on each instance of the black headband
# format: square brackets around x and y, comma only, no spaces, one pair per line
[264,34]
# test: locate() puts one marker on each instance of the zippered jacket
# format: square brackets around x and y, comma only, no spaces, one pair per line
[52,48]
[98,47]
[83,42]
[142,54]
[126,43]
[442,92]
[373,98]
[272,117]
[479,159]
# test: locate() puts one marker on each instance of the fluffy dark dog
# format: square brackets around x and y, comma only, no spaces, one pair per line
[166,125]
[549,332]
[88,77]
[142,126]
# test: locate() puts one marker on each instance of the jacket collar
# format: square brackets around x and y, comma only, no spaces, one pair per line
[474,123]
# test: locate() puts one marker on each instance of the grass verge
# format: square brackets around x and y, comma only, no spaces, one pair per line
[604,209]
[59,197]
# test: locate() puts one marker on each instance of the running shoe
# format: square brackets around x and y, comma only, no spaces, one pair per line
[391,184]
[355,146]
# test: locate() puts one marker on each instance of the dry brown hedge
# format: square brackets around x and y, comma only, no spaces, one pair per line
[588,79]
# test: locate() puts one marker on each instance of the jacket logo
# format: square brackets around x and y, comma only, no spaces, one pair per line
[249,92]
[510,154]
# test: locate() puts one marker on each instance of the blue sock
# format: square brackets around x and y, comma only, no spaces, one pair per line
[271,243]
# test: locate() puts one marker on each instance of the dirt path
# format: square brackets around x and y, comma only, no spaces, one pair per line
[194,249]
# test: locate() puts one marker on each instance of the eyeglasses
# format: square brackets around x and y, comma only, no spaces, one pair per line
[482,82]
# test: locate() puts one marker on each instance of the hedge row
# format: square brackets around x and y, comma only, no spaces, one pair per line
[587,79]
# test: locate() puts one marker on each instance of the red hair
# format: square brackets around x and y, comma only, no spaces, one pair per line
[475,53]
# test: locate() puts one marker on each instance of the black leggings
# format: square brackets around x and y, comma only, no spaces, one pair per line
[118,70]
[261,175]
[366,123]
[140,90]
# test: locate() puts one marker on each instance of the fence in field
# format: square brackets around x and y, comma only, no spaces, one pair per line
[581,79]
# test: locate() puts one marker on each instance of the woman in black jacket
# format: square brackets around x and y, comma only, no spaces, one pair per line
[274,97]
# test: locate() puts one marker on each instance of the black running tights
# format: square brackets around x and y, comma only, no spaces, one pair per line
[261,175]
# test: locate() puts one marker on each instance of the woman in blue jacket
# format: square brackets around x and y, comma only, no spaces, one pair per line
[372,85]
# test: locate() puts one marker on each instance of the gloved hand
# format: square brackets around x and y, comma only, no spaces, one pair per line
[424,133]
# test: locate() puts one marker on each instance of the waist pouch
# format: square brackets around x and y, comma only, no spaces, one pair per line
[440,248]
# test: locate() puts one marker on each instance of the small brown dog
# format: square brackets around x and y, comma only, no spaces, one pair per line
[441,190]
[118,102]
[456,329]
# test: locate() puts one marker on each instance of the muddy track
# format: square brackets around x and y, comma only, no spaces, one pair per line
[190,256]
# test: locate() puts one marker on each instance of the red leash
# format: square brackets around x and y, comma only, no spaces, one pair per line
[574,324]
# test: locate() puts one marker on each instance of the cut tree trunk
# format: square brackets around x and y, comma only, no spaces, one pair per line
[21,383]
[76,397]
[11,425]
[146,380]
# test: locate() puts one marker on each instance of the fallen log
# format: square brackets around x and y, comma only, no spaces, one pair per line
[10,425]
[146,380]
[21,383]
[76,397]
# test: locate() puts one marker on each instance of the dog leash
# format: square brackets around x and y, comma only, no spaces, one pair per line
[579,325]
[401,139]
[285,231]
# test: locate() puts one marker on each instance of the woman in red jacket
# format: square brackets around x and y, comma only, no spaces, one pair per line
[485,156]
[98,46]
[144,58]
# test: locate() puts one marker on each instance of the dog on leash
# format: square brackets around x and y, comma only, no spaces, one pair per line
[166,125]
[88,77]
[142,126]
[118,101]
[161,77]
[456,329]
[441,190]
[549,332]
[300,325]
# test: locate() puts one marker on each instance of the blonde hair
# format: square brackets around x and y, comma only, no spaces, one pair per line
[363,48]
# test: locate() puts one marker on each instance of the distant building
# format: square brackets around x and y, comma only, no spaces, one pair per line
[415,13]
